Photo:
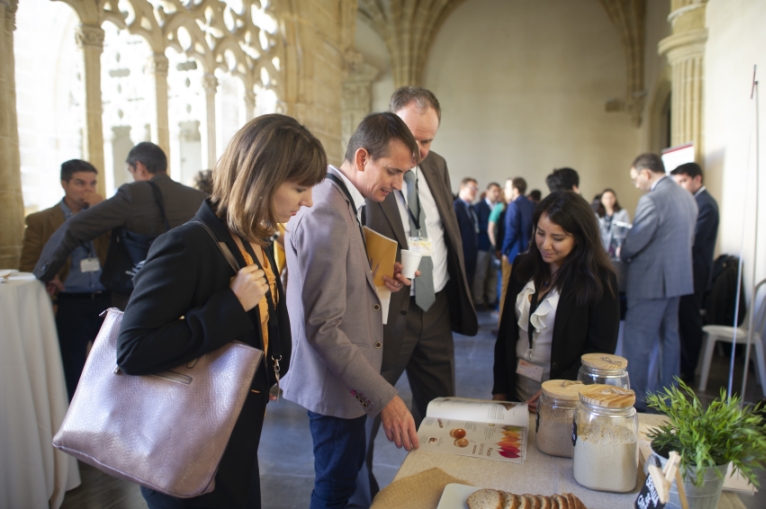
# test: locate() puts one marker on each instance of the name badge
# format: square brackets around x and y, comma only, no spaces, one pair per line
[420,245]
[89,265]
[529,370]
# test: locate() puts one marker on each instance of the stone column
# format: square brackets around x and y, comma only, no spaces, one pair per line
[356,102]
[91,39]
[210,84]
[11,199]
[685,51]
[158,67]
[249,105]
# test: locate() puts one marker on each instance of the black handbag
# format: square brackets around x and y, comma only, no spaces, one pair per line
[127,252]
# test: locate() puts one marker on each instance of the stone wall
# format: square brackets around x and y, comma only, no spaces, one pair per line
[11,201]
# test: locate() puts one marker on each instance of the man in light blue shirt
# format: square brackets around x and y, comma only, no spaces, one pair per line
[78,292]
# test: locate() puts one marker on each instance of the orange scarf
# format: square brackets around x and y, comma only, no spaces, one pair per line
[263,305]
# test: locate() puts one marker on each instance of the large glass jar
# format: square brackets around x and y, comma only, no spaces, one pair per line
[604,368]
[555,413]
[605,437]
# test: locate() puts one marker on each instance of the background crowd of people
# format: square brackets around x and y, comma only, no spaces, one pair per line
[652,273]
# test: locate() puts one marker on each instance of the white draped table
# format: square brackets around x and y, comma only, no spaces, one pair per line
[33,400]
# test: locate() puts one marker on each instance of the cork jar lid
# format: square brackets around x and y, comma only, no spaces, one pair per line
[604,362]
[608,396]
[568,390]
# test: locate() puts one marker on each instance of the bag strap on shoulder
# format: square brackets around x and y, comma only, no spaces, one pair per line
[160,202]
[225,251]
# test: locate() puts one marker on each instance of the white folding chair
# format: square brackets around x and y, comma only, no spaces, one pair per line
[714,333]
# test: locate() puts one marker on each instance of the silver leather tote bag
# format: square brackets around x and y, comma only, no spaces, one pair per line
[166,431]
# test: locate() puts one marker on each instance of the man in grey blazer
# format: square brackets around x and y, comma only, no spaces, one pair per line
[658,250]
[133,207]
[336,315]
[418,335]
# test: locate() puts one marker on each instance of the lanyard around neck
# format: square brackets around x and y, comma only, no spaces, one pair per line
[275,351]
[339,182]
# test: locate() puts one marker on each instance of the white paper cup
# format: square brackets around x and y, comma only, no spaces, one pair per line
[410,263]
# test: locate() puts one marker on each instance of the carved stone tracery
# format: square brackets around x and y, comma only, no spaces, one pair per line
[240,37]
[87,35]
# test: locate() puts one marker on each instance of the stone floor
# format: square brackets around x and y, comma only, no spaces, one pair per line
[285,455]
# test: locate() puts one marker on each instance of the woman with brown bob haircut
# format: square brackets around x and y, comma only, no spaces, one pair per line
[188,301]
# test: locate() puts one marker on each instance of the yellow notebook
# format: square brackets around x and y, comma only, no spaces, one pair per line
[381,252]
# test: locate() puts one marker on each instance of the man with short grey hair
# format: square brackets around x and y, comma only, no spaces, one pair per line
[418,335]
[658,251]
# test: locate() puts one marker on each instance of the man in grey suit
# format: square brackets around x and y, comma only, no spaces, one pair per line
[133,207]
[418,335]
[658,250]
[336,315]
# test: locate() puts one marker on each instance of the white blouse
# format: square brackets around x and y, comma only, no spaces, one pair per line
[542,320]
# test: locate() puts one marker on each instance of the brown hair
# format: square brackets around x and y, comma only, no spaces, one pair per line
[375,133]
[617,206]
[519,184]
[267,152]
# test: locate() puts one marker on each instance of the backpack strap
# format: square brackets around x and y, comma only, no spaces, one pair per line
[161,203]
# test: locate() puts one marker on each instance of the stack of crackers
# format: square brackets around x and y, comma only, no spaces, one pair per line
[496,499]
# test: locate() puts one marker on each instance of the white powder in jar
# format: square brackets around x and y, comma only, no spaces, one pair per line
[606,457]
[554,432]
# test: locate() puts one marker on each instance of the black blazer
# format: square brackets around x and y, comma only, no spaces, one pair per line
[468,235]
[182,307]
[576,330]
[705,233]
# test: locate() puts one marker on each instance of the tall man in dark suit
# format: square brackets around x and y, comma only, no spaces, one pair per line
[517,229]
[79,295]
[418,335]
[485,279]
[133,207]
[658,250]
[468,222]
[689,176]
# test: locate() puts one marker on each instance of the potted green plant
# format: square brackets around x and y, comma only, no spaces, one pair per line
[708,439]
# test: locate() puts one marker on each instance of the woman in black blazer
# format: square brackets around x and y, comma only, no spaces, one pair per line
[565,281]
[188,301]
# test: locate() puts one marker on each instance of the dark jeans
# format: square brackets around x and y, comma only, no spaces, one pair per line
[339,451]
[77,323]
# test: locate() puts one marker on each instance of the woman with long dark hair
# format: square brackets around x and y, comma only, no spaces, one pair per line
[561,302]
